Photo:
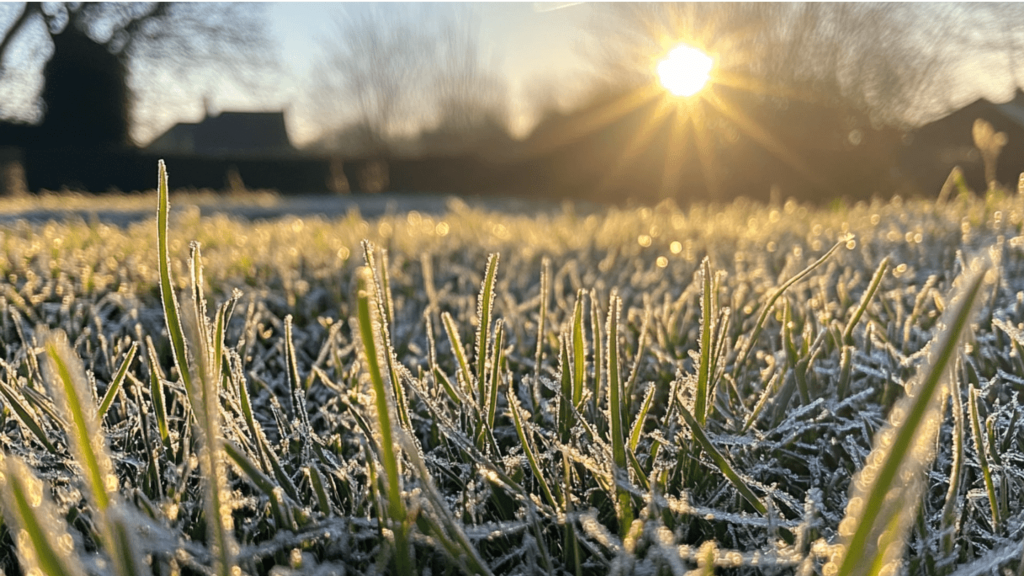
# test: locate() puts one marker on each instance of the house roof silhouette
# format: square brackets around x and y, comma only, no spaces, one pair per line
[246,133]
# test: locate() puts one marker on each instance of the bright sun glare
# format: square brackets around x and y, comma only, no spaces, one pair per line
[685,70]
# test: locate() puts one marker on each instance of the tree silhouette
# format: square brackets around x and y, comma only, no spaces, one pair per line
[97,49]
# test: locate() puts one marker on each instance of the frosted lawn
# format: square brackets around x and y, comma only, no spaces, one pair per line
[646,391]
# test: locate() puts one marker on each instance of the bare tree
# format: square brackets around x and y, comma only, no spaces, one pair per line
[402,73]
[370,66]
[148,39]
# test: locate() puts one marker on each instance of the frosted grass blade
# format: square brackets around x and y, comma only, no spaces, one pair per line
[41,534]
[641,417]
[542,315]
[172,316]
[460,353]
[26,417]
[766,309]
[531,458]
[951,506]
[484,304]
[623,502]
[369,330]
[885,494]
[708,315]
[720,462]
[579,351]
[982,453]
[156,392]
[115,384]
[71,391]
[865,299]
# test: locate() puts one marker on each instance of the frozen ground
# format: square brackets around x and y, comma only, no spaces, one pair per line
[122,210]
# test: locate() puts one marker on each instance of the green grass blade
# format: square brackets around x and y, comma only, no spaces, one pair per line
[623,502]
[224,312]
[156,392]
[460,353]
[497,362]
[115,384]
[579,351]
[565,411]
[316,481]
[70,390]
[708,315]
[41,534]
[542,316]
[369,332]
[982,452]
[251,472]
[595,330]
[168,297]
[26,416]
[720,462]
[865,299]
[483,332]
[641,417]
[766,309]
[883,506]
[531,458]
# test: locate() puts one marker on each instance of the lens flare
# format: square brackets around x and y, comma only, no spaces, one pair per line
[685,70]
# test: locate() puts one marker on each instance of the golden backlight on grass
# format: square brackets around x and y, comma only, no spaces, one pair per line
[685,70]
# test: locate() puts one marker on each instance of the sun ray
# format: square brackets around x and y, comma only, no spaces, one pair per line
[704,146]
[759,86]
[675,154]
[598,118]
[773,145]
[637,143]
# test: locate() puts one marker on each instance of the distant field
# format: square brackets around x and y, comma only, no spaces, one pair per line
[738,388]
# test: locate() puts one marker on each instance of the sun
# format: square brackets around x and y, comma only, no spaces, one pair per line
[685,70]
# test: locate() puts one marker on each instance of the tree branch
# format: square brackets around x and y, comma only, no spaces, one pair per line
[30,9]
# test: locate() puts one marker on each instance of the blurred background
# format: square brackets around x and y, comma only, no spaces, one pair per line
[570,100]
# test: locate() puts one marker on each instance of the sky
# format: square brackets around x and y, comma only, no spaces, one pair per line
[534,47]
[528,43]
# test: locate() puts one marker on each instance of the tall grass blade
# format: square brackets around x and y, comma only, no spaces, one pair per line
[579,351]
[596,332]
[951,506]
[483,331]
[865,299]
[26,416]
[71,392]
[766,309]
[115,384]
[528,449]
[167,294]
[982,451]
[623,502]
[542,316]
[156,392]
[41,534]
[369,330]
[452,331]
[720,461]
[708,315]
[497,365]
[885,494]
